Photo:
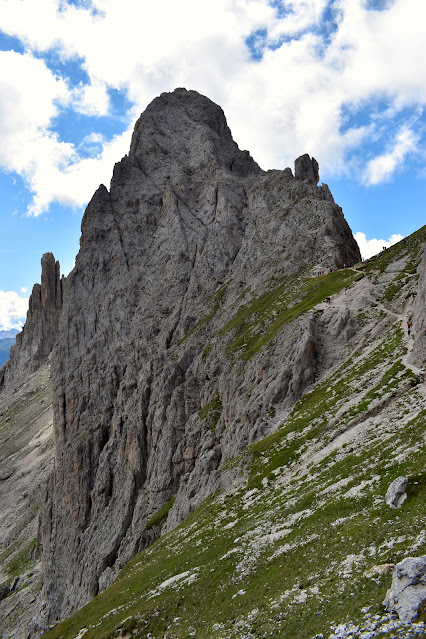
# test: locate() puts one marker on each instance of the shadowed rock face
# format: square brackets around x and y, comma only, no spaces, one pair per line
[190,230]
[34,344]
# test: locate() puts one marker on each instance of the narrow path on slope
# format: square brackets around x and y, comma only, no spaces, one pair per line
[350,298]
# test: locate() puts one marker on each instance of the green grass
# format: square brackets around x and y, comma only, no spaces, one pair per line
[257,323]
[24,559]
[314,561]
[410,246]
[161,515]
[211,412]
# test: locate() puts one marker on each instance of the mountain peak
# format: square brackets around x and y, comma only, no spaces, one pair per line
[184,127]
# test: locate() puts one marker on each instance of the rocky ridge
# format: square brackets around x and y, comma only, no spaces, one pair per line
[26,450]
[418,316]
[191,231]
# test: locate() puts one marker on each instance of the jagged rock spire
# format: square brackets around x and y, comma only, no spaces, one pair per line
[34,344]
[307,169]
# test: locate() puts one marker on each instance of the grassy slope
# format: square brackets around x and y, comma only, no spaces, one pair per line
[297,550]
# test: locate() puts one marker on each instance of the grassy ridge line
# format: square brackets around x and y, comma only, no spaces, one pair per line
[409,246]
[257,323]
[213,547]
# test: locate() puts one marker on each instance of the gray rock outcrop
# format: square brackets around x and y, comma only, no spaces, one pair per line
[418,353]
[306,168]
[34,344]
[395,494]
[153,390]
[407,595]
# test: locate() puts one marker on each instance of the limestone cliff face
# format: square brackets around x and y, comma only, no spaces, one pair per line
[150,399]
[34,344]
[418,353]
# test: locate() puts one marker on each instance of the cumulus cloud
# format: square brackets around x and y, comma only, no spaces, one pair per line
[372,247]
[383,166]
[313,60]
[13,310]
[91,99]
[29,99]
[74,184]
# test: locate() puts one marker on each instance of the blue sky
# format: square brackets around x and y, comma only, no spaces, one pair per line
[342,80]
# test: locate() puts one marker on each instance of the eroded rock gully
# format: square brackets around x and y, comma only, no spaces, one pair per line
[191,231]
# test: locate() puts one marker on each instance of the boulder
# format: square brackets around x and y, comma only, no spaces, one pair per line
[396,495]
[407,595]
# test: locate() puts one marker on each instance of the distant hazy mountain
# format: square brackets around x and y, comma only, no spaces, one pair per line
[10,334]
[7,339]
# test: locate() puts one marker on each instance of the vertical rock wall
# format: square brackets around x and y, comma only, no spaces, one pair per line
[418,353]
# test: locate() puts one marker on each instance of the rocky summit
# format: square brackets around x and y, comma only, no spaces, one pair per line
[220,353]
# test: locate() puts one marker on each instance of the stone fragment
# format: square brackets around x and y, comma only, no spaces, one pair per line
[382,569]
[395,494]
[407,595]
[14,584]
[6,473]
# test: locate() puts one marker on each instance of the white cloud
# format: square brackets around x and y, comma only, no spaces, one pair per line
[91,99]
[30,97]
[24,289]
[288,103]
[299,15]
[382,167]
[93,138]
[74,184]
[13,310]
[372,247]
